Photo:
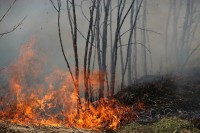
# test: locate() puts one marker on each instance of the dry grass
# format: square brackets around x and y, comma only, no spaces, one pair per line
[165,125]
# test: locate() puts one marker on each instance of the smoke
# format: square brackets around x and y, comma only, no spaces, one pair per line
[41,23]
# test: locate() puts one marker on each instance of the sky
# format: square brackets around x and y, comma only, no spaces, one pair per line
[41,23]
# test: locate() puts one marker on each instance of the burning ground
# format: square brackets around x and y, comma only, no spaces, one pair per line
[34,102]
[51,100]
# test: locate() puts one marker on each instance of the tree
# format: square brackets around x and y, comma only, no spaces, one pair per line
[87,57]
[180,44]
[133,24]
[74,39]
[99,22]
[104,44]
[120,21]
[190,26]
[143,39]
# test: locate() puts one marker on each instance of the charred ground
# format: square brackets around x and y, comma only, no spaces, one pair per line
[152,98]
[156,97]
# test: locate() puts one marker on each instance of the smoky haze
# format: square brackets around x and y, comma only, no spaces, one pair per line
[41,23]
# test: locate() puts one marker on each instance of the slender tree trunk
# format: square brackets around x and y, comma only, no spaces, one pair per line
[86,73]
[104,47]
[130,48]
[135,46]
[74,39]
[76,58]
[130,37]
[121,56]
[174,37]
[120,22]
[111,43]
[98,47]
[114,52]
[166,37]
[143,40]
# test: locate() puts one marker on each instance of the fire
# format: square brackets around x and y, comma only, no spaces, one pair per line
[53,102]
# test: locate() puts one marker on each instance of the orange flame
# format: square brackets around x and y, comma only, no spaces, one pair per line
[53,102]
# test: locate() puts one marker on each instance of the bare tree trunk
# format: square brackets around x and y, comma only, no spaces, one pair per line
[87,73]
[121,52]
[89,60]
[76,58]
[174,37]
[180,47]
[98,47]
[114,52]
[129,41]
[92,97]
[104,47]
[135,46]
[115,46]
[129,52]
[150,55]
[143,40]
[121,55]
[172,49]
[166,36]
[74,39]
[190,26]
[88,69]
[111,43]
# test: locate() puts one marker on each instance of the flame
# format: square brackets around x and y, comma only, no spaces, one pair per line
[53,103]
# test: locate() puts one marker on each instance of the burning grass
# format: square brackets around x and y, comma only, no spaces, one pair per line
[107,115]
[52,102]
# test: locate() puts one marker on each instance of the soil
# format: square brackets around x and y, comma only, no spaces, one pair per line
[14,128]
[152,98]
[163,97]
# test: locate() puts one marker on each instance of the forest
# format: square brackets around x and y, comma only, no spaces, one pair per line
[99,66]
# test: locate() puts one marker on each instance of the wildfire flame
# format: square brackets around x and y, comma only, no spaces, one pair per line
[51,100]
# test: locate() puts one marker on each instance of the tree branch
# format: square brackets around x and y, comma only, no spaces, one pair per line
[7,11]
[60,39]
[14,28]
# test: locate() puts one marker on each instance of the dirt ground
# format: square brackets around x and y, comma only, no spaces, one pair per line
[164,96]
[14,128]
[152,98]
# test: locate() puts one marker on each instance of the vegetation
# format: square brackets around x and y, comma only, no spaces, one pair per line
[165,125]
[110,41]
